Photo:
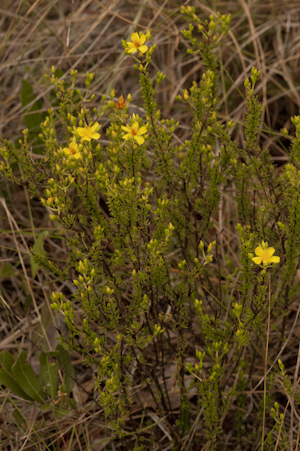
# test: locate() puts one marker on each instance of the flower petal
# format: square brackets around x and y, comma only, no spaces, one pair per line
[142,130]
[274,260]
[95,135]
[140,140]
[142,39]
[259,250]
[126,129]
[135,37]
[80,131]
[270,251]
[143,48]
[132,50]
[135,126]
[94,127]
[127,136]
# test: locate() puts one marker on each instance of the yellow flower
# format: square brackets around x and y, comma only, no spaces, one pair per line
[265,255]
[137,44]
[134,131]
[72,151]
[88,132]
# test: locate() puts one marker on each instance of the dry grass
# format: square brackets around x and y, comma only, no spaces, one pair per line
[86,35]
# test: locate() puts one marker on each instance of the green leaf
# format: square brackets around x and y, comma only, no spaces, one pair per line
[64,360]
[7,271]
[71,403]
[19,419]
[43,326]
[7,377]
[26,378]
[28,302]
[59,73]
[49,374]
[60,412]
[34,120]
[38,250]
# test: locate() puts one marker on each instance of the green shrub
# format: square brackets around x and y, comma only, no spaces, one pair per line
[159,281]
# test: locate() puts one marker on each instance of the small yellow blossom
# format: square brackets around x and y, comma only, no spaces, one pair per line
[88,132]
[137,43]
[265,255]
[72,151]
[134,131]
[186,94]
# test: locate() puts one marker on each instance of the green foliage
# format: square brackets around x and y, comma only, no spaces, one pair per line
[8,378]
[64,360]
[49,375]
[19,377]
[138,217]
[33,118]
[38,251]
